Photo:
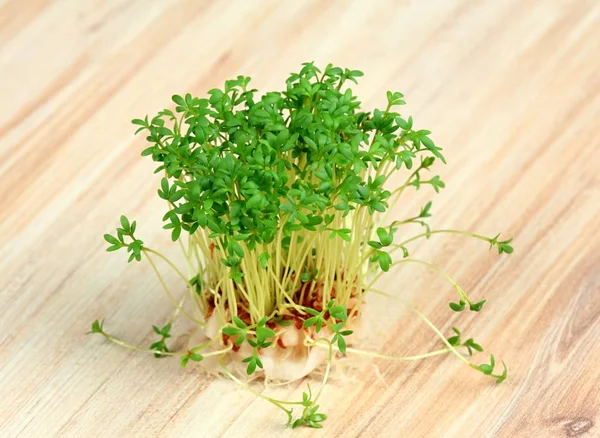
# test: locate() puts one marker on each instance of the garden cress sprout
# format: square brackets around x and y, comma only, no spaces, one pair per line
[278,203]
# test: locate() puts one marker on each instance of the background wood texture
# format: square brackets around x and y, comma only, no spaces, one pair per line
[510,89]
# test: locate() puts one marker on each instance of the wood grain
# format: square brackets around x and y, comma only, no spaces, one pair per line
[511,89]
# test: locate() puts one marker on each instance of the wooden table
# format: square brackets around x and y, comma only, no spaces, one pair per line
[510,89]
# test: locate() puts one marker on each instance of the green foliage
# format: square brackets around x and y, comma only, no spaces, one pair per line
[311,416]
[255,335]
[456,341]
[488,369]
[97,327]
[383,258]
[471,345]
[263,259]
[253,361]
[126,232]
[196,283]
[461,305]
[251,181]
[241,165]
[476,307]
[502,245]
[458,307]
[425,211]
[192,355]
[319,319]
[160,346]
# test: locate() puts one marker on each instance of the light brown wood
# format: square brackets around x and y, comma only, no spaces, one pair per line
[510,89]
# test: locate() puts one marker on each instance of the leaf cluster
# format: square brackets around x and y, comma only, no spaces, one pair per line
[160,345]
[469,344]
[485,368]
[243,166]
[338,317]
[125,239]
[503,246]
[461,305]
[311,416]
[255,335]
[488,370]
[192,355]
[386,238]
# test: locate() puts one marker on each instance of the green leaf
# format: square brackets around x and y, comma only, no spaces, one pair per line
[237,248]
[385,238]
[166,330]
[425,211]
[454,341]
[486,369]
[263,333]
[385,261]
[339,313]
[254,201]
[310,321]
[125,224]
[175,233]
[344,234]
[458,307]
[319,417]
[428,143]
[436,183]
[231,331]
[97,327]
[319,324]
[184,360]
[263,259]
[476,307]
[238,322]
[470,343]
[178,100]
[379,207]
[111,239]
[504,247]
[196,357]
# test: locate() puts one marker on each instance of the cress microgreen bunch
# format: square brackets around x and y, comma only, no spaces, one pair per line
[280,202]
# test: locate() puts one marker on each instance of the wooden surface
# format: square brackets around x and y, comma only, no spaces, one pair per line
[510,89]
